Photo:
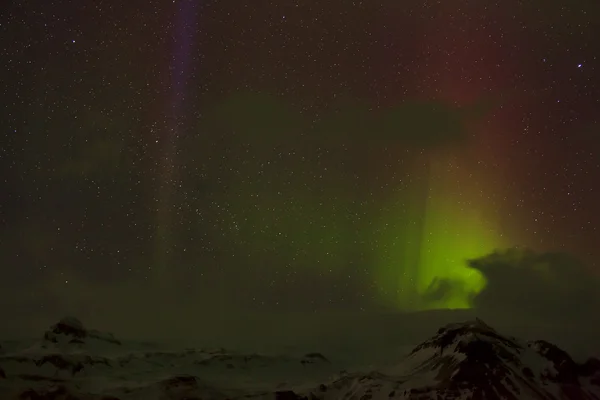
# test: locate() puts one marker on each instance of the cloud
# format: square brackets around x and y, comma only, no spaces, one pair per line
[257,117]
[442,290]
[544,287]
[423,124]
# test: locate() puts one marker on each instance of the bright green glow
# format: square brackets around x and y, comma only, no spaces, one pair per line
[442,230]
[453,236]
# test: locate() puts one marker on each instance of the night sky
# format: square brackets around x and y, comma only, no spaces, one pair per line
[298,156]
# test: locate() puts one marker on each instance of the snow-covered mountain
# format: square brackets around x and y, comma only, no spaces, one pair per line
[462,361]
[472,361]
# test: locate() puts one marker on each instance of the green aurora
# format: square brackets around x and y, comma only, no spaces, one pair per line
[423,263]
[418,258]
[294,207]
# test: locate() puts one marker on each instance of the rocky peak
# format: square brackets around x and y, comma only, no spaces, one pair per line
[471,338]
[71,331]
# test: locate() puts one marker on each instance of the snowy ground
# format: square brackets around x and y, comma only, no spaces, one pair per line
[465,360]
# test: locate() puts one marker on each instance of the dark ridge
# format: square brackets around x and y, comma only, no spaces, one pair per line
[55,393]
[181,380]
[567,370]
[313,358]
[316,356]
[73,328]
[590,367]
[61,363]
[448,334]
[288,395]
[70,326]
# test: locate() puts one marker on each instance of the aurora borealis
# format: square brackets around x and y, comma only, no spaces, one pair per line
[292,156]
[452,232]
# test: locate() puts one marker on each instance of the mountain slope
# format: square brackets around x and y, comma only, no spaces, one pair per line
[473,361]
[468,360]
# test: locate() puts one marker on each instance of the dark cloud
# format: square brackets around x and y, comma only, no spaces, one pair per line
[547,288]
[256,116]
[423,124]
[345,120]
[538,286]
[440,290]
[250,116]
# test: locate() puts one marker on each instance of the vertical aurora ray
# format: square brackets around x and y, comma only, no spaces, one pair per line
[424,265]
[183,37]
[458,226]
[427,239]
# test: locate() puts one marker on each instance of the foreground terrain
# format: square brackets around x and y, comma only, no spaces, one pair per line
[467,360]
